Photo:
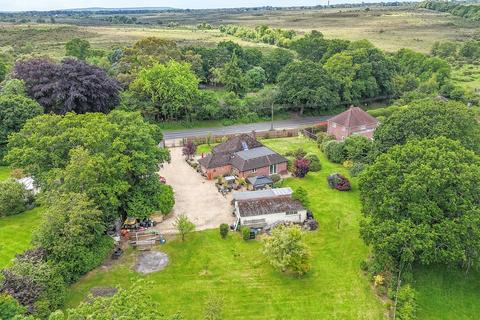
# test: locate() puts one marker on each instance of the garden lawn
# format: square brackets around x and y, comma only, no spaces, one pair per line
[16,234]
[4,173]
[206,265]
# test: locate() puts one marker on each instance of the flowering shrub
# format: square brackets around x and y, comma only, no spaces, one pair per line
[339,182]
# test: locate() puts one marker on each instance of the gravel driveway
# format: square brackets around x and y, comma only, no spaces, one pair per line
[194,196]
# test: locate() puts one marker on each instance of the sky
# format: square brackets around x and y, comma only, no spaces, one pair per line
[27,5]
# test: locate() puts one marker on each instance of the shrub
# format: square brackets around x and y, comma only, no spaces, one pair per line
[287,251]
[315,164]
[275,177]
[359,148]
[245,233]
[406,303]
[356,168]
[312,224]
[339,182]
[298,153]
[224,230]
[335,151]
[302,167]
[34,283]
[301,195]
[323,137]
[347,164]
[13,198]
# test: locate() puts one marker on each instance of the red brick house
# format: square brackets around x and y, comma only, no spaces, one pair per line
[353,121]
[244,156]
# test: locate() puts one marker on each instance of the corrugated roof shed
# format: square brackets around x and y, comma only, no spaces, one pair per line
[258,207]
[270,193]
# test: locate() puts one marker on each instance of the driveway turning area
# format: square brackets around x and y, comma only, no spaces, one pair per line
[195,197]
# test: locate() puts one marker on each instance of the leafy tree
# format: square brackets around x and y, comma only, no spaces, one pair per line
[429,119]
[302,167]
[183,225]
[275,61]
[421,203]
[78,48]
[13,198]
[72,234]
[170,90]
[301,195]
[312,46]
[470,49]
[9,307]
[287,251]
[3,70]
[15,110]
[307,84]
[34,283]
[72,85]
[14,87]
[189,149]
[102,156]
[255,78]
[232,77]
[359,149]
[150,196]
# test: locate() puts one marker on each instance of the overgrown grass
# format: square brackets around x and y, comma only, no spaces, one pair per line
[4,173]
[235,270]
[16,234]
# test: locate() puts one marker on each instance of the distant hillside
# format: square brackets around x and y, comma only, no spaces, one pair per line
[94,9]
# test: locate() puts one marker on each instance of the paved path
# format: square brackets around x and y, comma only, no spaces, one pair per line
[244,128]
[194,196]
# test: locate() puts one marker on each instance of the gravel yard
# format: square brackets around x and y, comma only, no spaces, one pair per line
[194,196]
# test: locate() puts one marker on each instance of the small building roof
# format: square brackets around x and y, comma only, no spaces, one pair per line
[265,206]
[259,194]
[256,158]
[354,117]
[259,180]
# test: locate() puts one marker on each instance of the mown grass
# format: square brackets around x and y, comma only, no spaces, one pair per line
[4,173]
[16,234]
[236,271]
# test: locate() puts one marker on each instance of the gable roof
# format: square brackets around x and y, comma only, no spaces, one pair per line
[354,117]
[258,207]
[237,143]
[256,158]
[215,160]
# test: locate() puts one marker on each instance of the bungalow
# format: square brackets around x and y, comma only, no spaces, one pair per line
[266,208]
[351,122]
[244,156]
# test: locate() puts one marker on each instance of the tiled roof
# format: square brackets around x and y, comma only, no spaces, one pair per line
[354,117]
[256,158]
[258,207]
[237,143]
[215,160]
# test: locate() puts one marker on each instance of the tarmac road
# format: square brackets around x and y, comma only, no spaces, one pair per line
[243,128]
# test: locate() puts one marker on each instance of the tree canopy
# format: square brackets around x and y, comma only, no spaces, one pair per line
[103,156]
[429,119]
[72,85]
[170,89]
[78,48]
[421,203]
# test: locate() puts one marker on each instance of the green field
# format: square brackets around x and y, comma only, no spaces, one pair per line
[16,234]
[388,28]
[206,265]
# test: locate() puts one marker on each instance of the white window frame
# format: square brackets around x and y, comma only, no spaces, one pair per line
[274,166]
